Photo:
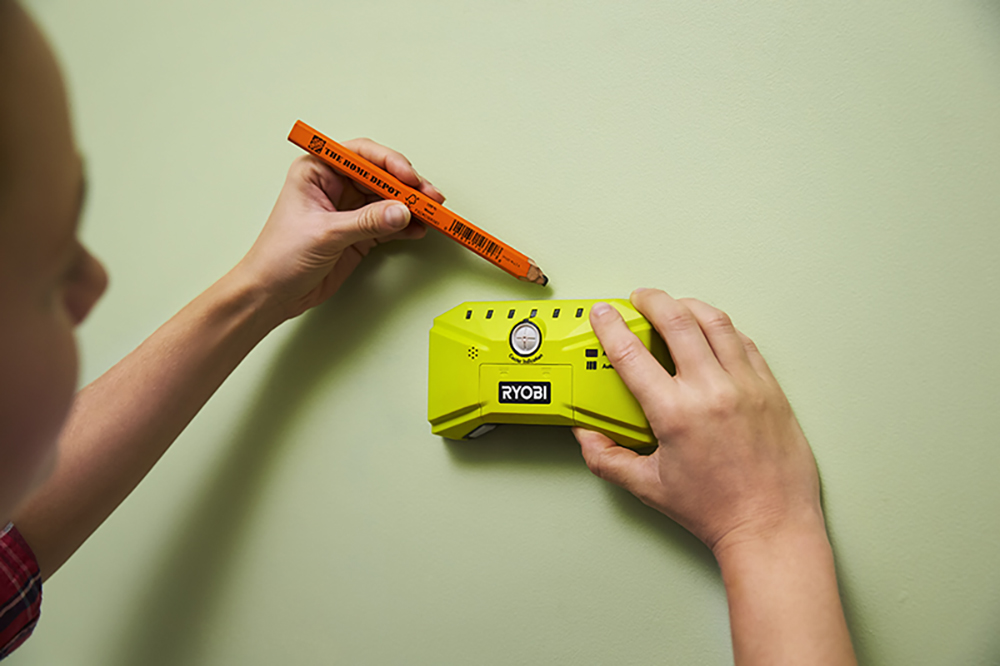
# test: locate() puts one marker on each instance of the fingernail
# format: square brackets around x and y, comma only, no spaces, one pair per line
[600,309]
[636,291]
[397,216]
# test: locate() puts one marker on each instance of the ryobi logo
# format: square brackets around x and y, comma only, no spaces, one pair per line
[526,393]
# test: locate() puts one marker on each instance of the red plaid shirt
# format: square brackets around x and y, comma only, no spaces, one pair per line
[20,590]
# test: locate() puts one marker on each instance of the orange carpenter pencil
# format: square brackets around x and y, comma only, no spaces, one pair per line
[421,206]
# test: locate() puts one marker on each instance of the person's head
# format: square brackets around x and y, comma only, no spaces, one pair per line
[48,281]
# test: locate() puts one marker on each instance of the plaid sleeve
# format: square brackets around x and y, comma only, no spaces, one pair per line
[20,590]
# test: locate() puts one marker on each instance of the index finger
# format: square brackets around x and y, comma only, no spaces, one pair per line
[395,163]
[648,381]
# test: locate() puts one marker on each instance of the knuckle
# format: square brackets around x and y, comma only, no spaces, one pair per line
[299,163]
[720,321]
[368,221]
[722,399]
[597,465]
[366,147]
[760,401]
[679,319]
[626,353]
[754,396]
[306,168]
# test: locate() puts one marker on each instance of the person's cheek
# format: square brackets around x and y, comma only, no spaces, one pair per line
[38,375]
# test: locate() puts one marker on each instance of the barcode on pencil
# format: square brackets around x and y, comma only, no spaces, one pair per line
[473,238]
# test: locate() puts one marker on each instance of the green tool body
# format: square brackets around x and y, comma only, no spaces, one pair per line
[533,362]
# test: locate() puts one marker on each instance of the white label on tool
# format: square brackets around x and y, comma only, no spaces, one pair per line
[526,393]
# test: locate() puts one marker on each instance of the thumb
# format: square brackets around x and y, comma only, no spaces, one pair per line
[607,460]
[382,218]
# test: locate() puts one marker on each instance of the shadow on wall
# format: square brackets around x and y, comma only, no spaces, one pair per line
[173,615]
[992,641]
[554,447]
[537,447]
[861,637]
[540,447]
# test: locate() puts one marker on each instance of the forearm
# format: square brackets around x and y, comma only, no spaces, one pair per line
[124,421]
[784,605]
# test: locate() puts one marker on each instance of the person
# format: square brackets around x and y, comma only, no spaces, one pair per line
[114,430]
[732,464]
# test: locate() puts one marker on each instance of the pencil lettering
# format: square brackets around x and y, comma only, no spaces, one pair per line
[384,185]
[356,168]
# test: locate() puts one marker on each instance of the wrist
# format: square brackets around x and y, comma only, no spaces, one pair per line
[772,539]
[784,602]
[242,302]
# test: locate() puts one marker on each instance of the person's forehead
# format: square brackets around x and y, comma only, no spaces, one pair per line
[43,169]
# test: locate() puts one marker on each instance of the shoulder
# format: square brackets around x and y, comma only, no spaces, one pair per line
[20,590]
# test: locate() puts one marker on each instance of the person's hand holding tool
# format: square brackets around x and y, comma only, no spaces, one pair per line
[322,226]
[734,468]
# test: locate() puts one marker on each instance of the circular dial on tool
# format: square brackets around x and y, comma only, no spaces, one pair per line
[525,339]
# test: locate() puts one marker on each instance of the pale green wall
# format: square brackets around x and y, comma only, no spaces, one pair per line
[829,173]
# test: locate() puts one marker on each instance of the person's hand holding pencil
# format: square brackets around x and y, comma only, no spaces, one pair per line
[376,179]
[320,229]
